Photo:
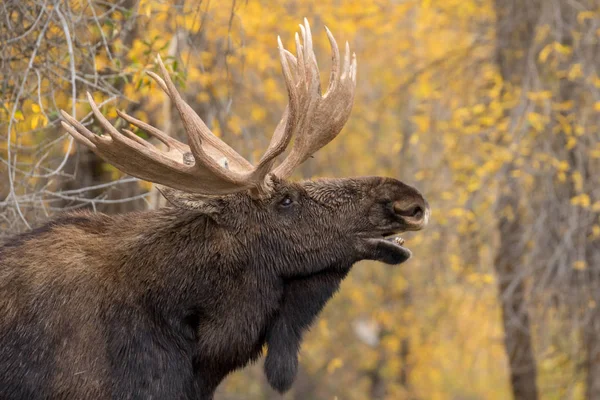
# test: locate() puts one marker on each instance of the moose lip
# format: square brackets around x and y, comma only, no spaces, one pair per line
[392,243]
[395,244]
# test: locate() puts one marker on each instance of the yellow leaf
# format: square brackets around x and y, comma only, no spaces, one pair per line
[235,125]
[575,72]
[571,142]
[583,15]
[102,62]
[473,186]
[203,97]
[579,265]
[542,33]
[585,200]
[543,56]
[35,121]
[478,108]
[543,95]
[562,49]
[419,175]
[66,149]
[35,107]
[564,106]
[258,114]
[145,185]
[391,344]
[563,166]
[19,115]
[422,122]
[447,195]
[508,213]
[582,200]
[597,106]
[334,364]
[111,113]
[536,120]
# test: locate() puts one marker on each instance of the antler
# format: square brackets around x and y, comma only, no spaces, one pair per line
[322,117]
[201,173]
[208,166]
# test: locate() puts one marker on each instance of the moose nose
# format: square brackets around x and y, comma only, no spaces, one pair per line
[416,215]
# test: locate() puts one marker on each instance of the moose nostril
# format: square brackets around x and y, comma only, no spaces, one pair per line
[414,211]
[417,212]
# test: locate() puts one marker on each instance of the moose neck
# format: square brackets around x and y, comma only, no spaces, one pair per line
[201,280]
[213,292]
[188,258]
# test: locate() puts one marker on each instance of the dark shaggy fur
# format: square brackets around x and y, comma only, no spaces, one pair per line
[164,304]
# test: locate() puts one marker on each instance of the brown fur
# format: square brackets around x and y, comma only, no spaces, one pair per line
[164,304]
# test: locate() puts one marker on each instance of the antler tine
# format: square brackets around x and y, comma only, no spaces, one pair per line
[82,138]
[322,117]
[205,146]
[107,147]
[135,137]
[300,55]
[285,129]
[172,144]
[159,80]
[139,158]
[349,69]
[334,77]
[126,136]
[311,67]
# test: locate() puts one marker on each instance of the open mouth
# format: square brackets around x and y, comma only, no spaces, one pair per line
[395,239]
[390,248]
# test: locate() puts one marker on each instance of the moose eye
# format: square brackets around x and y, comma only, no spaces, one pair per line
[286,201]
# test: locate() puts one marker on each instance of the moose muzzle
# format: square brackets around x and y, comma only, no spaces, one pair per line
[414,213]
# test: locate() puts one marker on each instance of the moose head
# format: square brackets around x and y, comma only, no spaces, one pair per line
[243,257]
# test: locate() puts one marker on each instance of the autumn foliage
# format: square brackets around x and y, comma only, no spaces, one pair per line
[493,115]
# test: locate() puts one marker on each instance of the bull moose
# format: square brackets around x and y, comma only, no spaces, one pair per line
[164,304]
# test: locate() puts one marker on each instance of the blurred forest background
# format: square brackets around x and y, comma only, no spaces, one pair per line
[490,107]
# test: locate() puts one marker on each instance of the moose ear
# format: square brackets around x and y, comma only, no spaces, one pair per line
[188,201]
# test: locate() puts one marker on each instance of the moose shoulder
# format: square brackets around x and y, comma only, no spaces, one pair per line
[166,303]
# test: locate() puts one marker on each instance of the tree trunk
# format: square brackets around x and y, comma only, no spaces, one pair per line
[516,22]
[592,360]
[573,91]
[511,290]
[404,352]
[377,381]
